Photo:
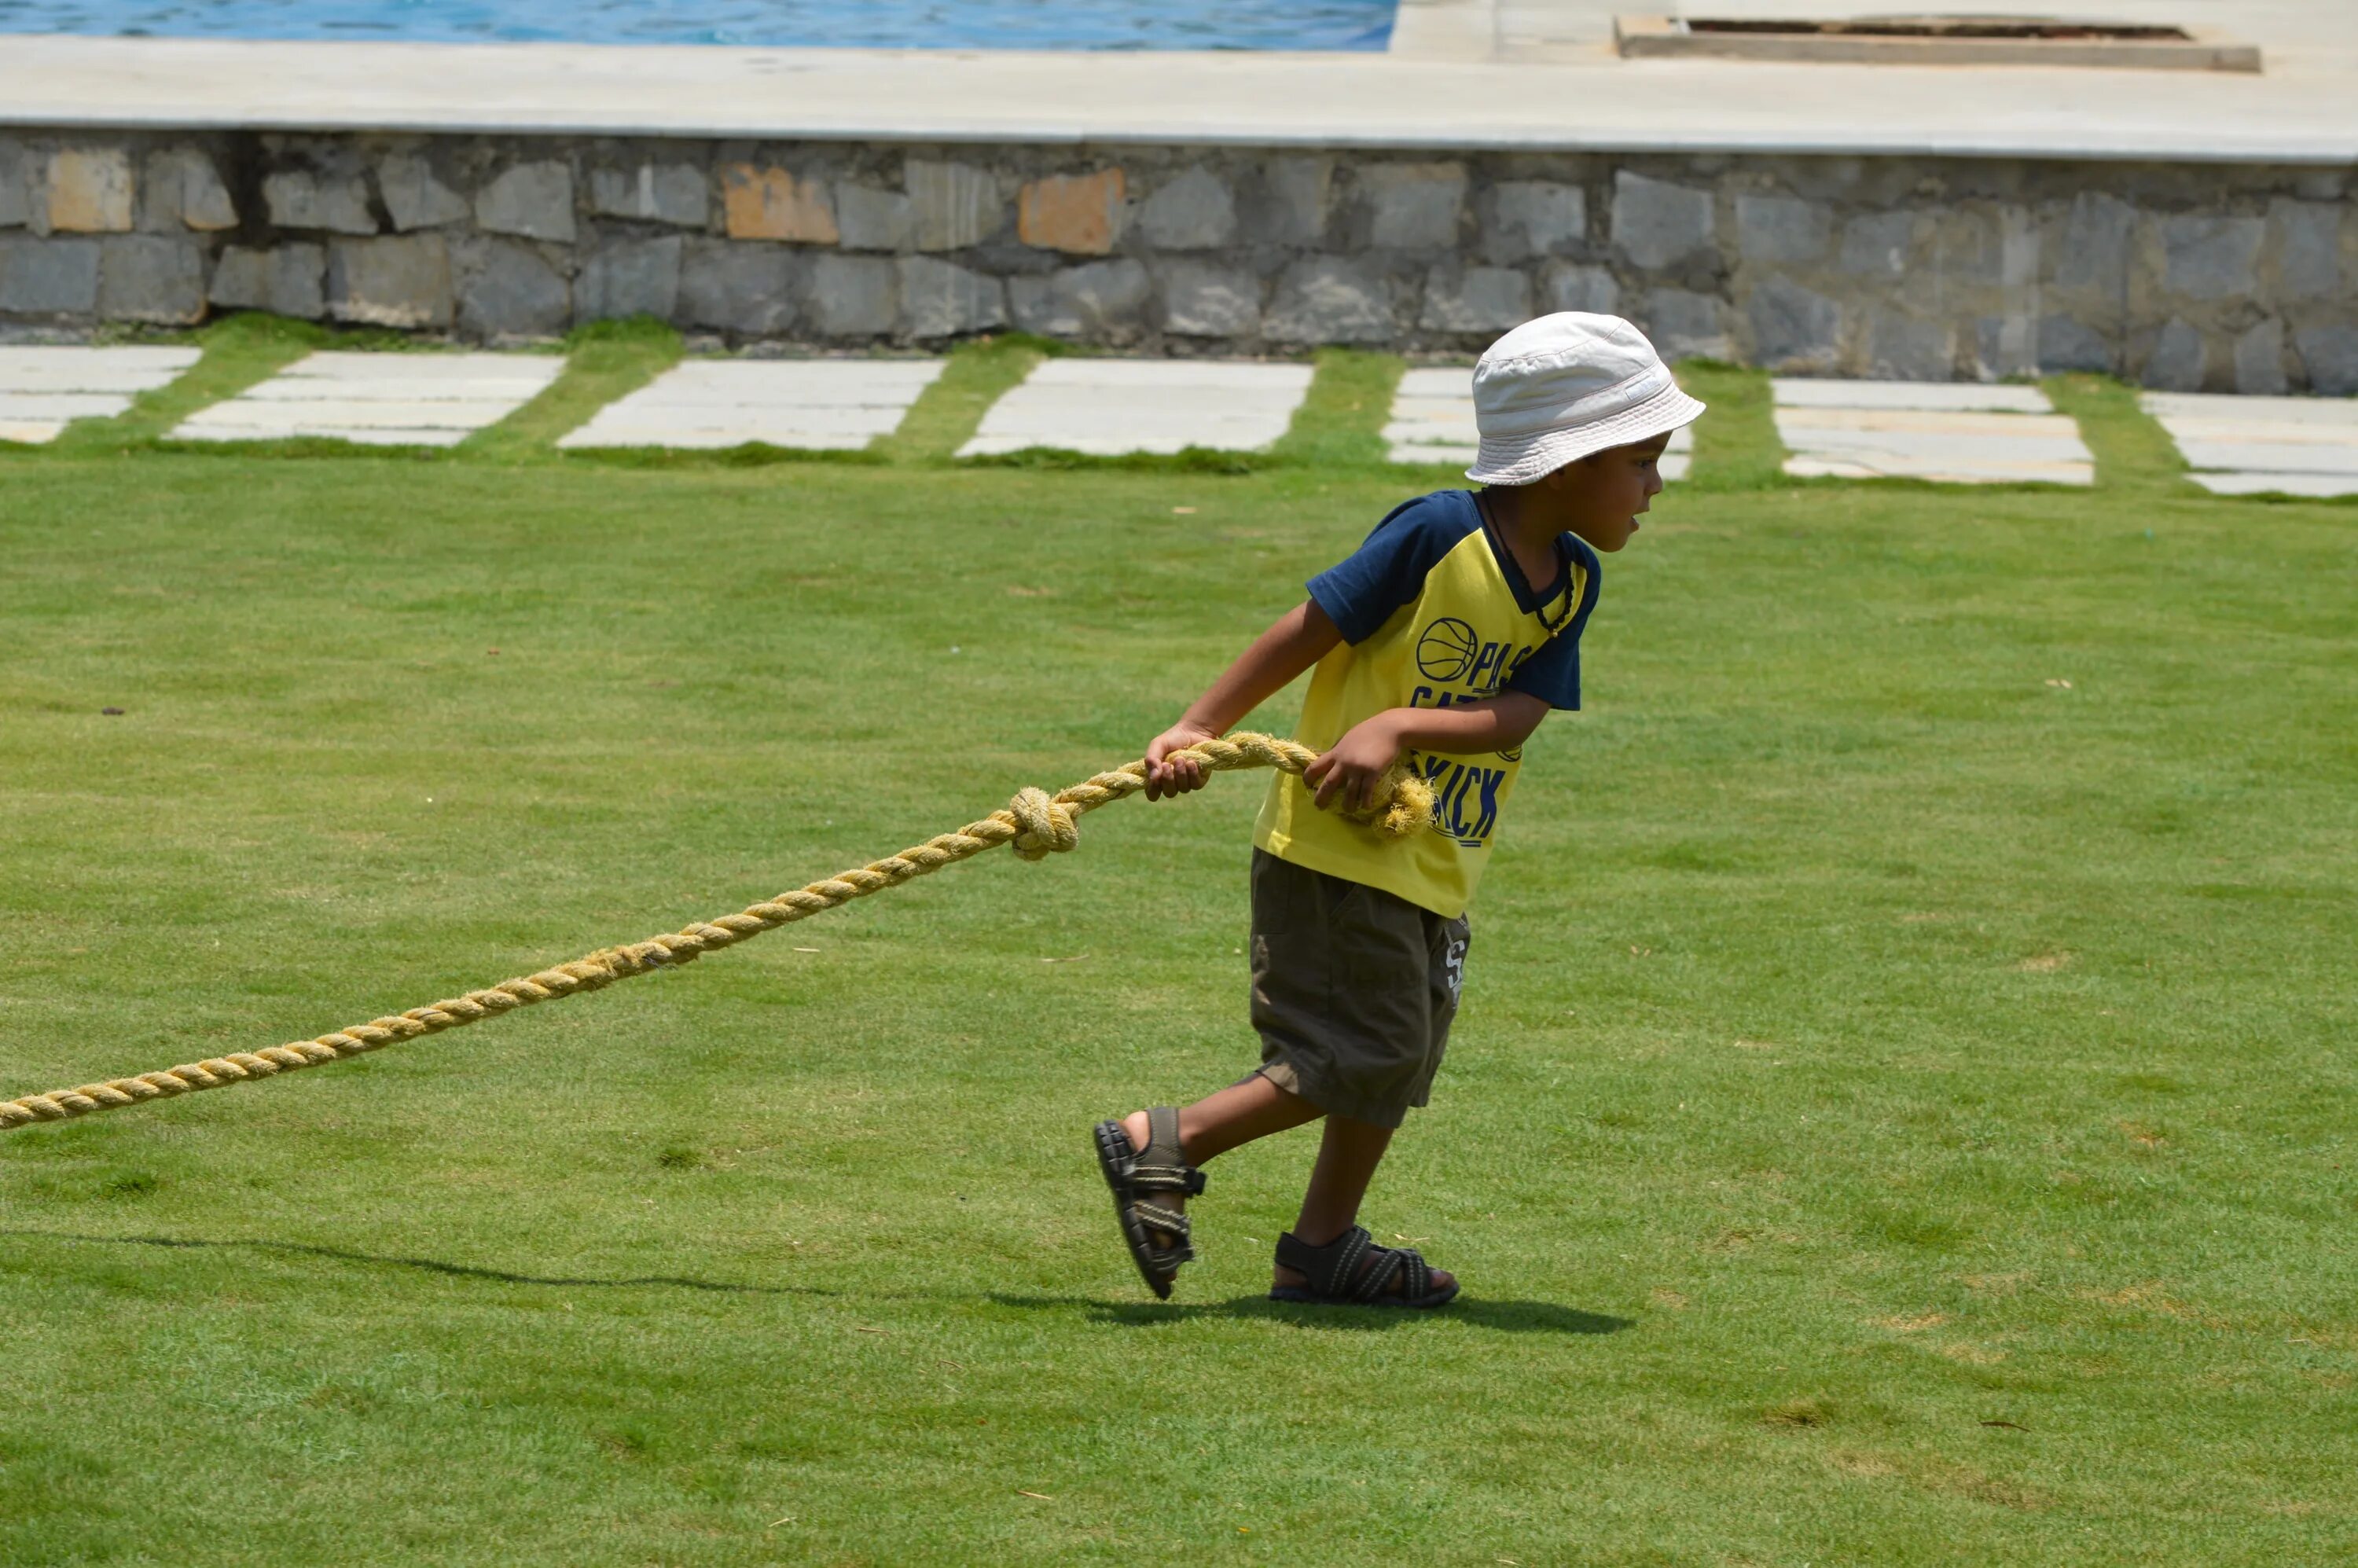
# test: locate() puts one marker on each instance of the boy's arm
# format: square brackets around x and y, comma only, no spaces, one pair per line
[1350,769]
[1299,639]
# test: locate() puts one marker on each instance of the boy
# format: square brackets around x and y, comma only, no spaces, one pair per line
[1442,642]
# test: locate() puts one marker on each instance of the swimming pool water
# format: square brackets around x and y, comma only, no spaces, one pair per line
[852,23]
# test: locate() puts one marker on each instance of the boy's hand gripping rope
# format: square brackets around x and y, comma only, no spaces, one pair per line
[1035,823]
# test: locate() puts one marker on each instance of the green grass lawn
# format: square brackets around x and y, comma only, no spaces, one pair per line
[1902,1111]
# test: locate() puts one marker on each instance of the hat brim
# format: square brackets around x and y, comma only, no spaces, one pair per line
[1521,460]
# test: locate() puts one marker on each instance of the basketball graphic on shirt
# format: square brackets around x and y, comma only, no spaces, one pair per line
[1445,651]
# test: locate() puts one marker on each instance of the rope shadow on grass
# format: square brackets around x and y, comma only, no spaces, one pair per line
[429,1265]
[1501,1316]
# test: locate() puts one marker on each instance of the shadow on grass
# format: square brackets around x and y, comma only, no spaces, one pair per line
[1504,1317]
[428,1265]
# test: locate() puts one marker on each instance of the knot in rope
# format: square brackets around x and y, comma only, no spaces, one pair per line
[1047,827]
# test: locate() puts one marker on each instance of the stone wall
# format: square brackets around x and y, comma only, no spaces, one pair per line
[2224,277]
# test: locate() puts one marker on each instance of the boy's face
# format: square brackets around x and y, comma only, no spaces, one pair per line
[1601,497]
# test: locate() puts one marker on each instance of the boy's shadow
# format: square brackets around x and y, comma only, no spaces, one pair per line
[1501,1316]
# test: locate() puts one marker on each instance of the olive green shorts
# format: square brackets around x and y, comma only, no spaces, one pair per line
[1353,990]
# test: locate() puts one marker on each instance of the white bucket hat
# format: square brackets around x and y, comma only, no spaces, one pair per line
[1559,388]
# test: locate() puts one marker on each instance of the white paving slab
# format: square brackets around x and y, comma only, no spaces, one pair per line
[1433,422]
[2254,445]
[1949,433]
[44,389]
[1963,397]
[379,399]
[1112,406]
[813,405]
[2255,483]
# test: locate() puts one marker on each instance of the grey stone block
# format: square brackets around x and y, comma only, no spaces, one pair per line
[2068,343]
[2177,361]
[2330,356]
[2259,360]
[941,299]
[630,277]
[1782,229]
[1908,348]
[1683,324]
[1289,202]
[1527,218]
[48,277]
[508,290]
[1474,300]
[151,277]
[1876,244]
[2006,346]
[1412,206]
[307,198]
[675,193]
[180,189]
[955,204]
[1200,300]
[1590,289]
[1655,222]
[413,198]
[289,281]
[853,297]
[1196,211]
[1968,246]
[397,282]
[2095,243]
[1792,329]
[1104,300]
[15,186]
[2309,248]
[2207,257]
[1332,299]
[742,288]
[868,218]
[533,200]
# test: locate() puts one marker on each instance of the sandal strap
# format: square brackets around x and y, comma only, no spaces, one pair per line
[1167,1179]
[1151,1217]
[1329,1269]
[1160,1167]
[1335,1269]
[1154,1217]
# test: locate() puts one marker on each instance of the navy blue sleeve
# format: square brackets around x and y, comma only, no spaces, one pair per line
[1553,671]
[1361,592]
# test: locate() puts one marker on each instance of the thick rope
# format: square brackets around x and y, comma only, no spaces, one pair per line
[1034,823]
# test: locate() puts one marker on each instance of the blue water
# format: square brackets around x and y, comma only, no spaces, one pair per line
[850,23]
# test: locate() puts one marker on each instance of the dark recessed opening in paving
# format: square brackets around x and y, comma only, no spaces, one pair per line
[1938,40]
[1936,28]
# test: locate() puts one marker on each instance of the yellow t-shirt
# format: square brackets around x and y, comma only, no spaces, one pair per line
[1432,611]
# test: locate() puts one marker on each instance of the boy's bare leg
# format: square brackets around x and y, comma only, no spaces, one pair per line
[1347,1158]
[1249,1109]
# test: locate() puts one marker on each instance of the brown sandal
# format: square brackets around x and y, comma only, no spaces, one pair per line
[1352,1271]
[1157,1168]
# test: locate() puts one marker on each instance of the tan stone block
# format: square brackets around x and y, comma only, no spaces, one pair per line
[771,204]
[90,191]
[1077,213]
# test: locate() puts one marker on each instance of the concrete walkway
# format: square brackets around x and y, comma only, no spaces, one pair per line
[2256,446]
[1955,434]
[1112,406]
[379,399]
[1543,79]
[43,390]
[812,405]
